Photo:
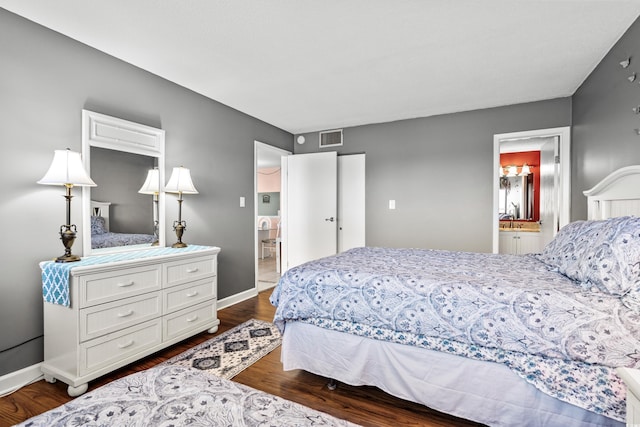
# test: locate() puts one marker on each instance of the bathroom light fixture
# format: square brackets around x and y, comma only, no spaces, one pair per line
[67,169]
[632,77]
[512,171]
[625,63]
[525,170]
[152,186]
[180,182]
[636,109]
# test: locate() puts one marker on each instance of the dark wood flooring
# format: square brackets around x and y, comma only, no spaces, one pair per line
[367,406]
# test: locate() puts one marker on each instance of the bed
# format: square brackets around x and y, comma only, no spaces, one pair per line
[498,339]
[102,237]
[171,395]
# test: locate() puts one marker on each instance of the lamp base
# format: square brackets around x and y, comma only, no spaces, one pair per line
[68,235]
[68,258]
[179,227]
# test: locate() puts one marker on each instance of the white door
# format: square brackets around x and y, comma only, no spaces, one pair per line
[310,208]
[549,191]
[351,202]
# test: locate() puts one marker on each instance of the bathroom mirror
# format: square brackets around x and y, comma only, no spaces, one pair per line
[516,198]
[118,155]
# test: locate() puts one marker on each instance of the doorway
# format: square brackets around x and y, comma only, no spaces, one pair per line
[267,215]
[556,165]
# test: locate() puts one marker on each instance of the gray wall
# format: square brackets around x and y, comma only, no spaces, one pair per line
[46,79]
[603,137]
[439,170]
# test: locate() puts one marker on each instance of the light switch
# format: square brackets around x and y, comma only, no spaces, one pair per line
[392,204]
[242,202]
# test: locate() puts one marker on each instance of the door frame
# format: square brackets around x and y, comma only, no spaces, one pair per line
[277,151]
[564,192]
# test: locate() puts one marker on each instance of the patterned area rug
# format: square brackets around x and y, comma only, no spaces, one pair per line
[231,352]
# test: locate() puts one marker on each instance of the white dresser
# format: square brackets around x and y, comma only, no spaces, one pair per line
[631,378]
[124,309]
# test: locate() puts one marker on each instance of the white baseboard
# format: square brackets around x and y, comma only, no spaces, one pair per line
[15,380]
[234,299]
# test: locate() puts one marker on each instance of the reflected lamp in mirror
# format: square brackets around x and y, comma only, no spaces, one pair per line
[180,182]
[152,186]
[66,169]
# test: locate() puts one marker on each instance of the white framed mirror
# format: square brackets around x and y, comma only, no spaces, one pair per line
[119,215]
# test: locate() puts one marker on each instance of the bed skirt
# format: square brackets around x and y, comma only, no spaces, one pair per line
[480,391]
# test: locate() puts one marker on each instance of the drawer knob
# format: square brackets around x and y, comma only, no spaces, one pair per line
[124,285]
[192,294]
[192,270]
[193,319]
[128,313]
[125,345]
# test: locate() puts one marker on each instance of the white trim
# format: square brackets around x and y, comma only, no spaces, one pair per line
[564,134]
[14,381]
[237,298]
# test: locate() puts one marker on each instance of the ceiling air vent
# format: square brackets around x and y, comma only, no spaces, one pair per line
[331,138]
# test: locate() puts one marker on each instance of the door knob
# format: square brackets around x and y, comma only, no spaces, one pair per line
[329,219]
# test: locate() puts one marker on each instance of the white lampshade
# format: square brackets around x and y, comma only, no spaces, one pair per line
[180,182]
[525,170]
[67,169]
[152,183]
[513,171]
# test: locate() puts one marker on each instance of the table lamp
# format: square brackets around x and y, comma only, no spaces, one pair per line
[180,182]
[152,186]
[67,169]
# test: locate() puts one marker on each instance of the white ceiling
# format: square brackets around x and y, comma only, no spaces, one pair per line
[308,65]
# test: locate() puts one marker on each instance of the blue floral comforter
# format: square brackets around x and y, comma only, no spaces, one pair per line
[514,304]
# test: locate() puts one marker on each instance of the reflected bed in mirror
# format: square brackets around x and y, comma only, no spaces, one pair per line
[119,155]
[102,237]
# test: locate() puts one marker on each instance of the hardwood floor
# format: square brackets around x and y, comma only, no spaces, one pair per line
[367,406]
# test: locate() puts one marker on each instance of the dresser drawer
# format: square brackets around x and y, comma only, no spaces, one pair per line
[105,318]
[189,294]
[178,272]
[189,320]
[117,347]
[111,285]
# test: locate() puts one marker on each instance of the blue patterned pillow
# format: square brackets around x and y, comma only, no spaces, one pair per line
[613,262]
[566,251]
[98,225]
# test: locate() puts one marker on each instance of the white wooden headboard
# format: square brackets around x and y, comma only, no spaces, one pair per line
[618,194]
[101,209]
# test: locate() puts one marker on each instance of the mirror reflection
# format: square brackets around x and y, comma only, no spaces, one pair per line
[120,215]
[516,197]
[519,191]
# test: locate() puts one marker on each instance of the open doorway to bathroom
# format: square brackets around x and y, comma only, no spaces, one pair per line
[545,186]
[267,224]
